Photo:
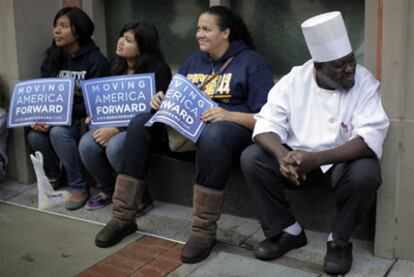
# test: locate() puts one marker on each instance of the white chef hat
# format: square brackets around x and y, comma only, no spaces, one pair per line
[326,37]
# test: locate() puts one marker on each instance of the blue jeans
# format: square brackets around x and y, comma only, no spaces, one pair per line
[60,143]
[218,149]
[102,161]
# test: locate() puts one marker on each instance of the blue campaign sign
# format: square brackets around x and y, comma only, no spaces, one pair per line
[114,101]
[45,100]
[182,107]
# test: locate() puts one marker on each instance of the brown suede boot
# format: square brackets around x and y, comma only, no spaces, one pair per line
[128,192]
[207,205]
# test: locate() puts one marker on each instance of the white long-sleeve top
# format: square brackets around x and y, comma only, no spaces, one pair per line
[310,118]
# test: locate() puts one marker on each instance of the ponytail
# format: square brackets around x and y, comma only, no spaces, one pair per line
[227,19]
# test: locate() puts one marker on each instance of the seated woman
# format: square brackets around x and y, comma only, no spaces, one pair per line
[101,148]
[72,54]
[238,79]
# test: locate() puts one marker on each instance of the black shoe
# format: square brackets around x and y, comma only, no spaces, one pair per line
[276,247]
[338,260]
[60,180]
[113,232]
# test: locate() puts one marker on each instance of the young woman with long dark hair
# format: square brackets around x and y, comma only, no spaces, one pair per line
[72,54]
[137,51]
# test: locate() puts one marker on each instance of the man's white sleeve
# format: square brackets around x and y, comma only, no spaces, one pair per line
[370,121]
[274,115]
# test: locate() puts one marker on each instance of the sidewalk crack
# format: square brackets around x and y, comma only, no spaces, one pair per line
[391,267]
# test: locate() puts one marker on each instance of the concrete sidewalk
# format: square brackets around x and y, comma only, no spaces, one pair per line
[34,243]
[232,256]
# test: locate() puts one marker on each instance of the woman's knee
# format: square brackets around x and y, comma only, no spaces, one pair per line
[213,138]
[215,146]
[114,151]
[116,144]
[36,139]
[88,145]
[138,121]
[58,133]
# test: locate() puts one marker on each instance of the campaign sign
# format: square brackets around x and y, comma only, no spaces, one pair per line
[182,107]
[46,100]
[114,101]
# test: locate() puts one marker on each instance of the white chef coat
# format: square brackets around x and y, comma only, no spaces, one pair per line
[310,118]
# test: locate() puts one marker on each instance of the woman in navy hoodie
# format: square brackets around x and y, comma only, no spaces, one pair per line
[72,54]
[240,88]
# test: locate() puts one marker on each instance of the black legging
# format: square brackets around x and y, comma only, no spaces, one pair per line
[220,144]
[138,146]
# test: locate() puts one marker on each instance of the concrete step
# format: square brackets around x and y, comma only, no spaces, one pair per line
[171,180]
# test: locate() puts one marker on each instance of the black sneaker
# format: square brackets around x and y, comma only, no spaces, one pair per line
[276,247]
[57,183]
[60,180]
[338,260]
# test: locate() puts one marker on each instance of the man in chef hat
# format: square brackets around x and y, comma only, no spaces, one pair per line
[323,124]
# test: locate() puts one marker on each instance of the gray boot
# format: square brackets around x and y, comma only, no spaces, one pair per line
[207,205]
[128,192]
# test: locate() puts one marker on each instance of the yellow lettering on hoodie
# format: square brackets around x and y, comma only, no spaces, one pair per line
[219,87]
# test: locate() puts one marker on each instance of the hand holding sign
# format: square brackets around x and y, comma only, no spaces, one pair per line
[215,114]
[182,107]
[104,134]
[39,127]
[156,100]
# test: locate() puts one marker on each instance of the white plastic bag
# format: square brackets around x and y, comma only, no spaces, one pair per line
[47,196]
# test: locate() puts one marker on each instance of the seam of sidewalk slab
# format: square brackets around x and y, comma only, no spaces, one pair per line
[390,268]
[244,243]
[84,220]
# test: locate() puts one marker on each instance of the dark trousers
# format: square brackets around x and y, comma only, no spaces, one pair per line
[220,144]
[355,185]
[140,142]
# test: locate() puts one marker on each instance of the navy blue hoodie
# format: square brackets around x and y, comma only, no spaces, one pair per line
[244,84]
[87,63]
